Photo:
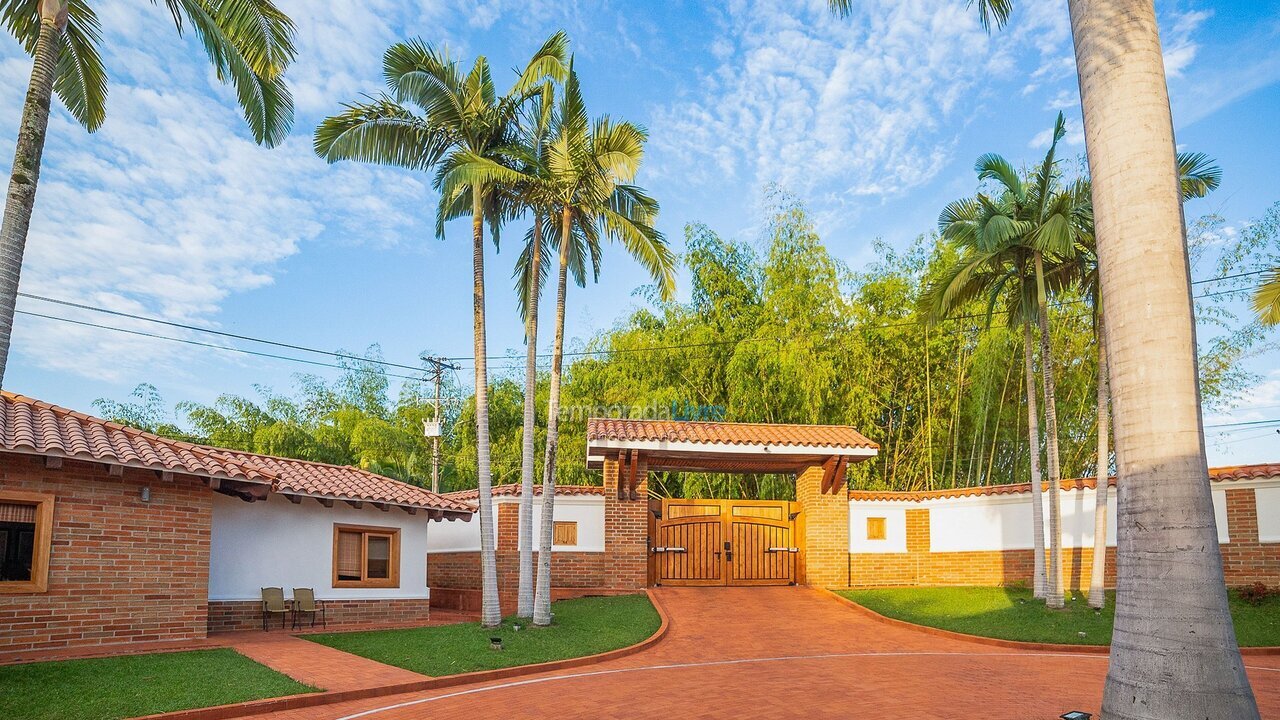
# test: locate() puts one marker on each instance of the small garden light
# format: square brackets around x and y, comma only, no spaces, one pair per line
[1076,715]
[495,643]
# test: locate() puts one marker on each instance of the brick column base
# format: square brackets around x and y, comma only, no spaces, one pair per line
[626,531]
[826,531]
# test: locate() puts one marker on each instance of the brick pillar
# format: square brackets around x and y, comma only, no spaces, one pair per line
[918,531]
[826,530]
[626,530]
[1242,516]
[508,551]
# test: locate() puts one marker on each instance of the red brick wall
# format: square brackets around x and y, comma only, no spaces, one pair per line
[120,570]
[1244,559]
[232,615]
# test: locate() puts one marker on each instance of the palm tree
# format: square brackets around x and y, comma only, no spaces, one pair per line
[590,166]
[1014,230]
[531,271]
[249,44]
[1198,176]
[464,121]
[1173,624]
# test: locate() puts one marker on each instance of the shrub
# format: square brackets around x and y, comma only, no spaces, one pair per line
[1257,593]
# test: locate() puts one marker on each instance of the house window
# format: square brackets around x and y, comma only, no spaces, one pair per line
[875,528]
[26,529]
[566,533]
[366,556]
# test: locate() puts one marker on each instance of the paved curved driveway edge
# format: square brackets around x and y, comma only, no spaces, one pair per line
[784,652]
[254,708]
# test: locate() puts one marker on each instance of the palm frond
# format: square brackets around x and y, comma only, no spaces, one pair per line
[1266,302]
[992,166]
[264,98]
[379,131]
[1198,175]
[81,80]
[993,10]
[548,63]
[419,73]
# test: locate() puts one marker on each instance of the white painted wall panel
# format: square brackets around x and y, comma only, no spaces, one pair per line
[895,527]
[586,510]
[276,543]
[1268,501]
[456,536]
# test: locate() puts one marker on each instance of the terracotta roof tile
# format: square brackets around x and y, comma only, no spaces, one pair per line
[1235,472]
[726,433]
[513,490]
[31,426]
[345,482]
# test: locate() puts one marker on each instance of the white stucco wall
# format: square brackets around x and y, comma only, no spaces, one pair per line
[895,526]
[1268,502]
[586,510]
[455,536]
[276,543]
[1003,522]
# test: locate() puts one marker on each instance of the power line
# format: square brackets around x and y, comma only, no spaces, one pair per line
[210,331]
[384,363]
[225,348]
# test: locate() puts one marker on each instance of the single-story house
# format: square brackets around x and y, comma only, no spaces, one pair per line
[109,534]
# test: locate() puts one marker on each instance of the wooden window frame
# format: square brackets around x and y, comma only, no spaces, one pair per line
[555,531]
[39,582]
[393,575]
[883,529]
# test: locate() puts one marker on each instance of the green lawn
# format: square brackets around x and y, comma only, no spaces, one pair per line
[123,687]
[1012,614]
[584,626]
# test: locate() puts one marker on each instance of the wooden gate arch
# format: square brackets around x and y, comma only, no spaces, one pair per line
[723,542]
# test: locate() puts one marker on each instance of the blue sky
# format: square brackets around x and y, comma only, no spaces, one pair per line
[171,211]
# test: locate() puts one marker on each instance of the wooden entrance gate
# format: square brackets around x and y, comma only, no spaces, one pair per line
[723,542]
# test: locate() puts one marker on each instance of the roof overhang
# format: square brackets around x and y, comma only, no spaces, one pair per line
[684,456]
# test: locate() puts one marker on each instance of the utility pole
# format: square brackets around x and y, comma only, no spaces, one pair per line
[432,429]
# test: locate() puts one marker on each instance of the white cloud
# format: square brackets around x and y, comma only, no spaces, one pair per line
[1073,138]
[170,207]
[870,104]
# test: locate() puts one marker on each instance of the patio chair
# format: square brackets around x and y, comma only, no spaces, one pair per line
[273,604]
[304,601]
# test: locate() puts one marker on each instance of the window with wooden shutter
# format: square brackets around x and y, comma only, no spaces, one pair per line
[26,532]
[566,533]
[366,556]
[875,528]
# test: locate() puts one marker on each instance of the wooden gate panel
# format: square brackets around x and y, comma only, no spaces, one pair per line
[723,542]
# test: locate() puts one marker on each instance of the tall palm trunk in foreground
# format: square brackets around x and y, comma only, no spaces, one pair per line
[1173,651]
[26,168]
[524,602]
[1098,569]
[1040,583]
[1054,599]
[491,611]
[542,602]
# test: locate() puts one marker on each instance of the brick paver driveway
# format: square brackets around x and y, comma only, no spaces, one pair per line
[785,653]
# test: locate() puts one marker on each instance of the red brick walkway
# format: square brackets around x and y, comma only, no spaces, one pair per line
[315,664]
[785,653]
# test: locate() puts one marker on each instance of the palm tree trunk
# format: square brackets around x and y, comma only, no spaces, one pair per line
[1173,651]
[525,591]
[1041,582]
[1056,590]
[26,171]
[542,602]
[490,605]
[1098,570]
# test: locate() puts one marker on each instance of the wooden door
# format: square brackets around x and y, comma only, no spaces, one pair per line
[723,542]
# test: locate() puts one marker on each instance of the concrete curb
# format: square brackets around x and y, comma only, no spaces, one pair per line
[294,702]
[997,642]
